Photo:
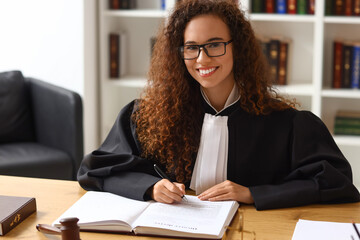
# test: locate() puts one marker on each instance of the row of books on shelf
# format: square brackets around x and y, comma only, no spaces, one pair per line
[276,50]
[346,64]
[342,8]
[347,123]
[283,6]
[141,4]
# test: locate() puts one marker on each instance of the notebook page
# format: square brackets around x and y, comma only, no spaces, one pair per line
[194,216]
[102,208]
[318,230]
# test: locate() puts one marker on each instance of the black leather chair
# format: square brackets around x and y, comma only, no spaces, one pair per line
[41,129]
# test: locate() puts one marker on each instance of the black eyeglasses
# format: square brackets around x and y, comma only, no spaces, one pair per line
[213,49]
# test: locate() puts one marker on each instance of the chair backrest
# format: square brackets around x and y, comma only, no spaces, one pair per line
[16,122]
[58,118]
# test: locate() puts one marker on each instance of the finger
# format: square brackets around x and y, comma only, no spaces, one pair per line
[175,188]
[181,187]
[212,192]
[221,197]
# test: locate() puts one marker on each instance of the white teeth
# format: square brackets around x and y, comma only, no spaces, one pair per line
[207,71]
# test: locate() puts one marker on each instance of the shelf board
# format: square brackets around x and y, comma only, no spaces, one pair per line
[341,93]
[343,19]
[136,13]
[282,17]
[296,89]
[347,140]
[128,81]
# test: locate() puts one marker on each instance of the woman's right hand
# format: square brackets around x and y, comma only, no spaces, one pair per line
[167,192]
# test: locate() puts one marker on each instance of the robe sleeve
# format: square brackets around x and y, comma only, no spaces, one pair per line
[116,166]
[319,172]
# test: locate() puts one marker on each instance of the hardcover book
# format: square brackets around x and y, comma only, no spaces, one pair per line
[13,210]
[355,76]
[347,65]
[281,6]
[337,63]
[107,212]
[270,6]
[301,6]
[114,51]
[291,7]
[283,59]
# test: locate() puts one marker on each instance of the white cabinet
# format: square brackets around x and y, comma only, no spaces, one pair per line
[310,63]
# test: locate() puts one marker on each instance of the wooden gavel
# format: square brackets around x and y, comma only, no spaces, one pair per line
[69,229]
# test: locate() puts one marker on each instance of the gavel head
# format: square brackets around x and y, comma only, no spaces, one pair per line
[69,229]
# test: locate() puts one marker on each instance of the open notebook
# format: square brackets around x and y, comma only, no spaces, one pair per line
[106,212]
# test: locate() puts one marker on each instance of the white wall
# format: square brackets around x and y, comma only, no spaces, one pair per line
[44,39]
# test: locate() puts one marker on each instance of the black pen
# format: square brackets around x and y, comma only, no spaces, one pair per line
[356,230]
[164,176]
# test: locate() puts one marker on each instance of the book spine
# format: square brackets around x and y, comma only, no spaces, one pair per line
[301,7]
[281,6]
[337,66]
[257,6]
[348,7]
[355,77]
[311,7]
[125,4]
[344,130]
[329,7]
[114,4]
[282,78]
[353,122]
[18,216]
[291,6]
[347,66]
[274,46]
[114,55]
[339,7]
[356,8]
[270,6]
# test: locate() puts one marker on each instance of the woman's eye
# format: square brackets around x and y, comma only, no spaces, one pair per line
[191,48]
[214,45]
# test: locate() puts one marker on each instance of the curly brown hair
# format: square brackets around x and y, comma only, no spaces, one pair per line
[169,113]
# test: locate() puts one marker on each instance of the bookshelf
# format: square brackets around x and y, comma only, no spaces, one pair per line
[310,65]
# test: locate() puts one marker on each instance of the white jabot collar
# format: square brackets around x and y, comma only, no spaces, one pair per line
[233,97]
[212,157]
[211,161]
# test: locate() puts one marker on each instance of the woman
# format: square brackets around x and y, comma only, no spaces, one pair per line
[210,119]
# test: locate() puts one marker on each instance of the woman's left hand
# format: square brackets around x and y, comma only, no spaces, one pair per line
[227,190]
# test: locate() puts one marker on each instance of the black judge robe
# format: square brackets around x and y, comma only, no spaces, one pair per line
[287,158]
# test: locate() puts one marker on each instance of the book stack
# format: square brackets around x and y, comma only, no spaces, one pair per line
[276,50]
[122,4]
[117,54]
[342,8]
[283,6]
[346,64]
[347,123]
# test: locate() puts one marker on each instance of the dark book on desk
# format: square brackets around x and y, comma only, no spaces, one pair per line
[106,212]
[13,210]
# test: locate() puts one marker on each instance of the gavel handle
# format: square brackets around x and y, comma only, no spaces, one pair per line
[45,228]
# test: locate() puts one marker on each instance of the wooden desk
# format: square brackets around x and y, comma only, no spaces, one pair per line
[53,197]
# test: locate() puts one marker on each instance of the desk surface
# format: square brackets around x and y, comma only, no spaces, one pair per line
[53,197]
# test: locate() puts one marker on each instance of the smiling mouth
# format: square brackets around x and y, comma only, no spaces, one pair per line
[206,72]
